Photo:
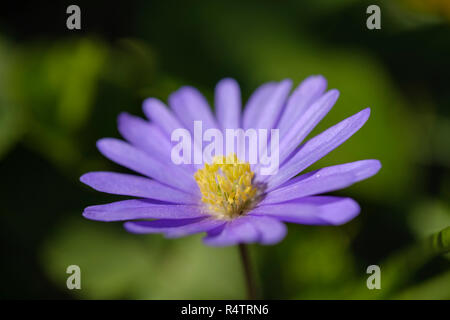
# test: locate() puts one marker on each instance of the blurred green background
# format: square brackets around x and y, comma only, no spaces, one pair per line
[62,90]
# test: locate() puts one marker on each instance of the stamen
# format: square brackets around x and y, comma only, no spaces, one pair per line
[226,186]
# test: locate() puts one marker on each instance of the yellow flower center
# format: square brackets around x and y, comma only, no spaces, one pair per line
[226,186]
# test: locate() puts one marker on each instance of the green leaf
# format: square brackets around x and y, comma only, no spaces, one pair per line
[440,242]
[398,269]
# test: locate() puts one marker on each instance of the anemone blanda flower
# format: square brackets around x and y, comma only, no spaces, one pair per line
[231,203]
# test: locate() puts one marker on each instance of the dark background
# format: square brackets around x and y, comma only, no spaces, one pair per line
[61,90]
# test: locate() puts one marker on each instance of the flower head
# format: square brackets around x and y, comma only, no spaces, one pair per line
[227,187]
[230,197]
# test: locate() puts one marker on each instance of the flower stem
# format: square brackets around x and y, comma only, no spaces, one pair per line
[249,281]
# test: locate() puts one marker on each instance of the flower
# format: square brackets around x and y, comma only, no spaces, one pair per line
[228,198]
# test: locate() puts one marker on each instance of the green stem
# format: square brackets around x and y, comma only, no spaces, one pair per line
[249,281]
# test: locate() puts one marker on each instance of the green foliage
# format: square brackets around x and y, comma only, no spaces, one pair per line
[11,115]
[440,242]
[50,93]
[115,264]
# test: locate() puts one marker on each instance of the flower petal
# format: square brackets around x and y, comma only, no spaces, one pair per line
[162,116]
[270,230]
[315,210]
[159,226]
[253,106]
[323,180]
[228,104]
[202,226]
[190,105]
[270,109]
[300,100]
[149,138]
[306,123]
[318,147]
[239,230]
[174,228]
[135,159]
[135,186]
[140,209]
[144,135]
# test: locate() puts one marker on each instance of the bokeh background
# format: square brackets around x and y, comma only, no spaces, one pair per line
[62,90]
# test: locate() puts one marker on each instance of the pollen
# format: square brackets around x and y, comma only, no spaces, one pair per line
[226,186]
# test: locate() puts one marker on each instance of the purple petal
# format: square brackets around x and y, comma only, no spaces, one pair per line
[145,136]
[228,104]
[252,109]
[140,209]
[159,226]
[135,186]
[318,147]
[149,138]
[300,100]
[271,108]
[134,159]
[175,228]
[164,118]
[159,114]
[323,180]
[239,230]
[190,105]
[315,210]
[202,226]
[270,230]
[306,123]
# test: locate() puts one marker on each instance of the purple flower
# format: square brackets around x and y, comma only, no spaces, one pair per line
[232,203]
